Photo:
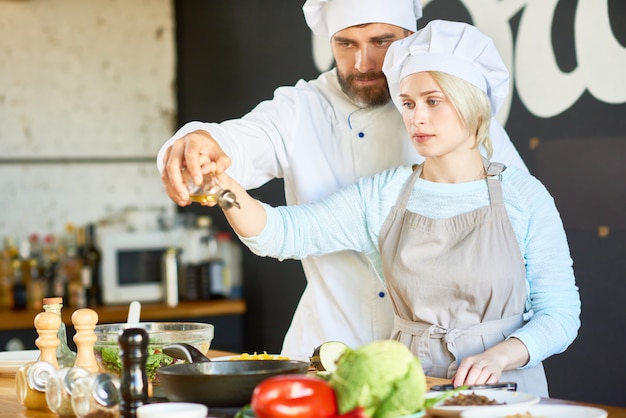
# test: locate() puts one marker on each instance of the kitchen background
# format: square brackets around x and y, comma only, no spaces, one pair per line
[90,90]
[87,94]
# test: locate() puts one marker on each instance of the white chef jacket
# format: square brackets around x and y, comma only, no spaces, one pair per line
[315,138]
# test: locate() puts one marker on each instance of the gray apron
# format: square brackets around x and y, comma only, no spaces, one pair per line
[457,285]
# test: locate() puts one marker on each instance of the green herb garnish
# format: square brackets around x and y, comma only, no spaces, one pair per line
[156,358]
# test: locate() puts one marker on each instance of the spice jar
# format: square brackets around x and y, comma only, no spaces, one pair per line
[96,395]
[59,390]
[30,383]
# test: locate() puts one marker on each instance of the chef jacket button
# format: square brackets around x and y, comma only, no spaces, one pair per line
[361,134]
[381,294]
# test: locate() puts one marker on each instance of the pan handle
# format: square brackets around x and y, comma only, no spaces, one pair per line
[185,351]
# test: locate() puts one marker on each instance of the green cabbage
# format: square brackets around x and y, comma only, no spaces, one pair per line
[383,377]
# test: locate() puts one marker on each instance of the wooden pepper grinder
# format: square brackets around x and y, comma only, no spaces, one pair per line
[134,381]
[85,321]
[31,378]
[47,325]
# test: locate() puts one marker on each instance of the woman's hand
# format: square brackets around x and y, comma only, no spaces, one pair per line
[197,152]
[487,367]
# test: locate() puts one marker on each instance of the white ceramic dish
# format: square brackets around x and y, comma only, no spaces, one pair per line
[505,397]
[11,361]
[172,409]
[543,411]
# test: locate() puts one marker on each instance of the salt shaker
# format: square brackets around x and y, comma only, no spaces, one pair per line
[134,381]
[209,191]
[96,395]
[31,379]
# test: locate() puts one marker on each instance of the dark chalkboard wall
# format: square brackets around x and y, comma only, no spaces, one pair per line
[234,53]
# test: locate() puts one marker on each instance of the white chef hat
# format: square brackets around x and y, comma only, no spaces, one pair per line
[327,17]
[455,48]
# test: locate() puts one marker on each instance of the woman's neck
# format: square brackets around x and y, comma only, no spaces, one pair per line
[448,169]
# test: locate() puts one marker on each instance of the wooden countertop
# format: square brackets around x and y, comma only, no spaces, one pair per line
[13,320]
[9,406]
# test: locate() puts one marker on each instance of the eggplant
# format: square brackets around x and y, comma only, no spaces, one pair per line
[325,356]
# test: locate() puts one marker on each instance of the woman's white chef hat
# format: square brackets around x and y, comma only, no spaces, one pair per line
[327,17]
[455,48]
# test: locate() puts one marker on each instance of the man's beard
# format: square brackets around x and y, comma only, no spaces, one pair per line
[364,96]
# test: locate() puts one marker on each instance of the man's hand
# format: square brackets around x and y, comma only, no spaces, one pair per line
[197,152]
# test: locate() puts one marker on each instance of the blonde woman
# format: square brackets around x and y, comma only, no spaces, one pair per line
[473,254]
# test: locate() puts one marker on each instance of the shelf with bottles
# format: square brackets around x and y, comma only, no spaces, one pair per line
[66,265]
[185,310]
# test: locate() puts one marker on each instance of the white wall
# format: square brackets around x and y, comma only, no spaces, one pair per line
[87,96]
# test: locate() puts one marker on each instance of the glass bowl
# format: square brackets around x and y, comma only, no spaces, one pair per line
[107,346]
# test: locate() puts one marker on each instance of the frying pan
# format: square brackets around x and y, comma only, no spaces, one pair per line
[217,383]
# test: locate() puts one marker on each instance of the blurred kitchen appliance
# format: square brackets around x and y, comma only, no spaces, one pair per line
[132,263]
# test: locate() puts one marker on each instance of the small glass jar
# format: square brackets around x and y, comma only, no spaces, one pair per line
[209,191]
[59,390]
[30,384]
[96,396]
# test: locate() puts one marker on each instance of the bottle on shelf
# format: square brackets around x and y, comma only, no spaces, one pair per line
[200,250]
[170,276]
[72,269]
[65,356]
[50,267]
[91,258]
[6,281]
[230,252]
[10,247]
[18,287]
[211,265]
[36,248]
[36,289]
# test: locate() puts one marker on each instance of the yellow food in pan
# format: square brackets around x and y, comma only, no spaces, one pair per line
[262,356]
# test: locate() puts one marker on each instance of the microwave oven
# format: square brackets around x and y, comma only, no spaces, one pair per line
[132,263]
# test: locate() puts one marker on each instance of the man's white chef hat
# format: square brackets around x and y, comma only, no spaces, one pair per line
[455,48]
[327,17]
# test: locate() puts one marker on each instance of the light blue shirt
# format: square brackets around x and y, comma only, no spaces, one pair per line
[351,219]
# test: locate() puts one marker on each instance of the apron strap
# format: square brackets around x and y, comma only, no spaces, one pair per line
[494,178]
[406,190]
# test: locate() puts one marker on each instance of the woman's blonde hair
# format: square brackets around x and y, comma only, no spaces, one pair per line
[471,104]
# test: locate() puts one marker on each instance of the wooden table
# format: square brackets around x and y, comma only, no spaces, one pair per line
[9,406]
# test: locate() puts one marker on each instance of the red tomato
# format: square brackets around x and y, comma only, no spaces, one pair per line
[293,396]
